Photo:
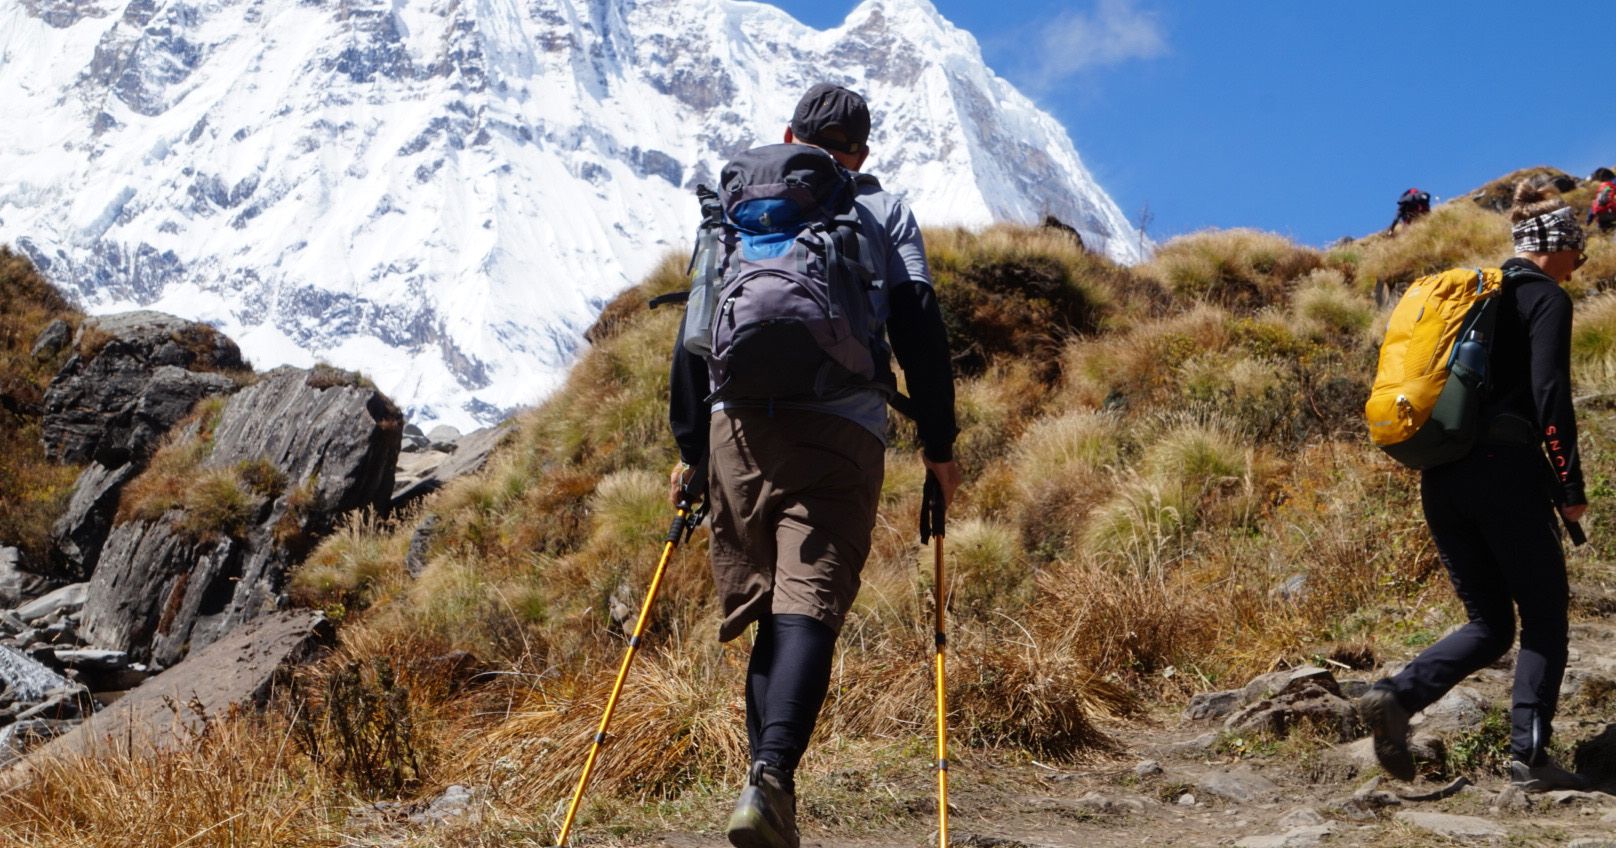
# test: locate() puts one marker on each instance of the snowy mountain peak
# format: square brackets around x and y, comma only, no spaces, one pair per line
[444,194]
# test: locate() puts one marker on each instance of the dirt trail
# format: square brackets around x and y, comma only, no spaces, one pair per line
[1182,782]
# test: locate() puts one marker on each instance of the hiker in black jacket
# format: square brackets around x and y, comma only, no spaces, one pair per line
[794,484]
[1492,512]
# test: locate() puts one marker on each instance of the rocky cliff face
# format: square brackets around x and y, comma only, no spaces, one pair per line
[443,195]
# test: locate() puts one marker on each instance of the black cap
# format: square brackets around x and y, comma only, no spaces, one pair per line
[832,117]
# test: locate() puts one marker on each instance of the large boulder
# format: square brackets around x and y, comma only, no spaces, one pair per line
[131,377]
[237,671]
[290,454]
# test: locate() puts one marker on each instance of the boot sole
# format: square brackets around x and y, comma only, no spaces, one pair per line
[1392,754]
[749,826]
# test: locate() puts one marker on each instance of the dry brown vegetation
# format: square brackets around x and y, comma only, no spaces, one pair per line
[33,491]
[1168,491]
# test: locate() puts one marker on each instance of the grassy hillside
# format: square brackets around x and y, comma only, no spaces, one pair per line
[1168,490]
[32,491]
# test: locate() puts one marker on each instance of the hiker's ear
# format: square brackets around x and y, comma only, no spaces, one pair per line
[790,136]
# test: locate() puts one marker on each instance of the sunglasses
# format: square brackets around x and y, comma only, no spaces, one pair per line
[1582,259]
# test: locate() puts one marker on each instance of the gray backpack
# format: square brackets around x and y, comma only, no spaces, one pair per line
[786,315]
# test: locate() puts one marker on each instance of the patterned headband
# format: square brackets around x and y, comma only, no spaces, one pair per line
[1550,232]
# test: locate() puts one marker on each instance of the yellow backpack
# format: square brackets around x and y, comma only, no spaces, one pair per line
[1425,405]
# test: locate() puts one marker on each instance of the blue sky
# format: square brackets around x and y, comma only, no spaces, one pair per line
[1303,118]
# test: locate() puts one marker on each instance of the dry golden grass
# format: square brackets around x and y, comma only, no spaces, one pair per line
[1136,501]
[1456,234]
[1236,269]
[239,782]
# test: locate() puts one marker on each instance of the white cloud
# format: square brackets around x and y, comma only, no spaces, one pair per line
[1113,31]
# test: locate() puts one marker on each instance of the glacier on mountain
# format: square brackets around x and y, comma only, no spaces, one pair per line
[443,194]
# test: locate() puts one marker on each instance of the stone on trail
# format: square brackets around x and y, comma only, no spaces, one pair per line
[1463,829]
[1301,817]
[68,599]
[1242,786]
[1459,711]
[1300,837]
[1593,842]
[1207,706]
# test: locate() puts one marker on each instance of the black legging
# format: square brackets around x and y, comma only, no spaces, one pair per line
[786,682]
[1495,531]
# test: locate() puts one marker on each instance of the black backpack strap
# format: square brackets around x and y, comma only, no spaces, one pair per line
[670,297]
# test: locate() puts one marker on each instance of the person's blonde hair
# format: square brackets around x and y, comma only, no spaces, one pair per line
[1533,198]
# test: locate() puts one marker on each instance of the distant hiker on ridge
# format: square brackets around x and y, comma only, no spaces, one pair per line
[1490,511]
[788,413]
[1603,209]
[1410,206]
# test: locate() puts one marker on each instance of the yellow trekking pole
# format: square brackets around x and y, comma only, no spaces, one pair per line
[687,517]
[933,516]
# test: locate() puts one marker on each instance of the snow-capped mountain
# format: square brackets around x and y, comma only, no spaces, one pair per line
[443,193]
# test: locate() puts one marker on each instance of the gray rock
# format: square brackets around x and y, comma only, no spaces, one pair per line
[1240,785]
[25,679]
[18,586]
[1462,709]
[1292,588]
[1214,705]
[17,738]
[1307,695]
[114,399]
[454,803]
[1146,769]
[52,339]
[1593,842]
[1463,829]
[1301,817]
[63,601]
[1354,689]
[237,670]
[1299,837]
[1513,799]
[1568,798]
[77,536]
[415,558]
[98,659]
[1195,747]
[1185,800]
[67,702]
[1098,804]
[443,434]
[413,430]
[471,454]
[159,591]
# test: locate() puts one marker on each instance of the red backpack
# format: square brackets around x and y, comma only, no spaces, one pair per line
[1605,200]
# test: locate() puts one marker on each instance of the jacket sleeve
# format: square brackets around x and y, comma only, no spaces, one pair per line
[1549,334]
[920,342]
[688,410]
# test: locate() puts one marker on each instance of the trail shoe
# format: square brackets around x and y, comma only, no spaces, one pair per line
[766,813]
[1388,723]
[1544,778]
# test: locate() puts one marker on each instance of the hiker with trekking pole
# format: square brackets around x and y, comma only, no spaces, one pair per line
[808,279]
[1474,389]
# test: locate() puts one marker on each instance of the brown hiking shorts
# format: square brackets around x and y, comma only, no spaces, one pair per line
[793,498]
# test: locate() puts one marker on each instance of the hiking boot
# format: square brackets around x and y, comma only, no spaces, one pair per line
[1544,778]
[1388,723]
[766,813]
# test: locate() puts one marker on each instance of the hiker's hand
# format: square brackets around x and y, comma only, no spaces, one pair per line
[1573,513]
[676,483]
[948,476]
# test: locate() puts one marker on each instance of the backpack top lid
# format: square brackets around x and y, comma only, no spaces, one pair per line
[1414,197]
[797,182]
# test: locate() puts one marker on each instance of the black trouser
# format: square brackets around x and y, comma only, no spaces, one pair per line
[1495,530]
[786,681]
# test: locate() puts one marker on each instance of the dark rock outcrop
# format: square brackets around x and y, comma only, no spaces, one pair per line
[131,377]
[77,536]
[169,585]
